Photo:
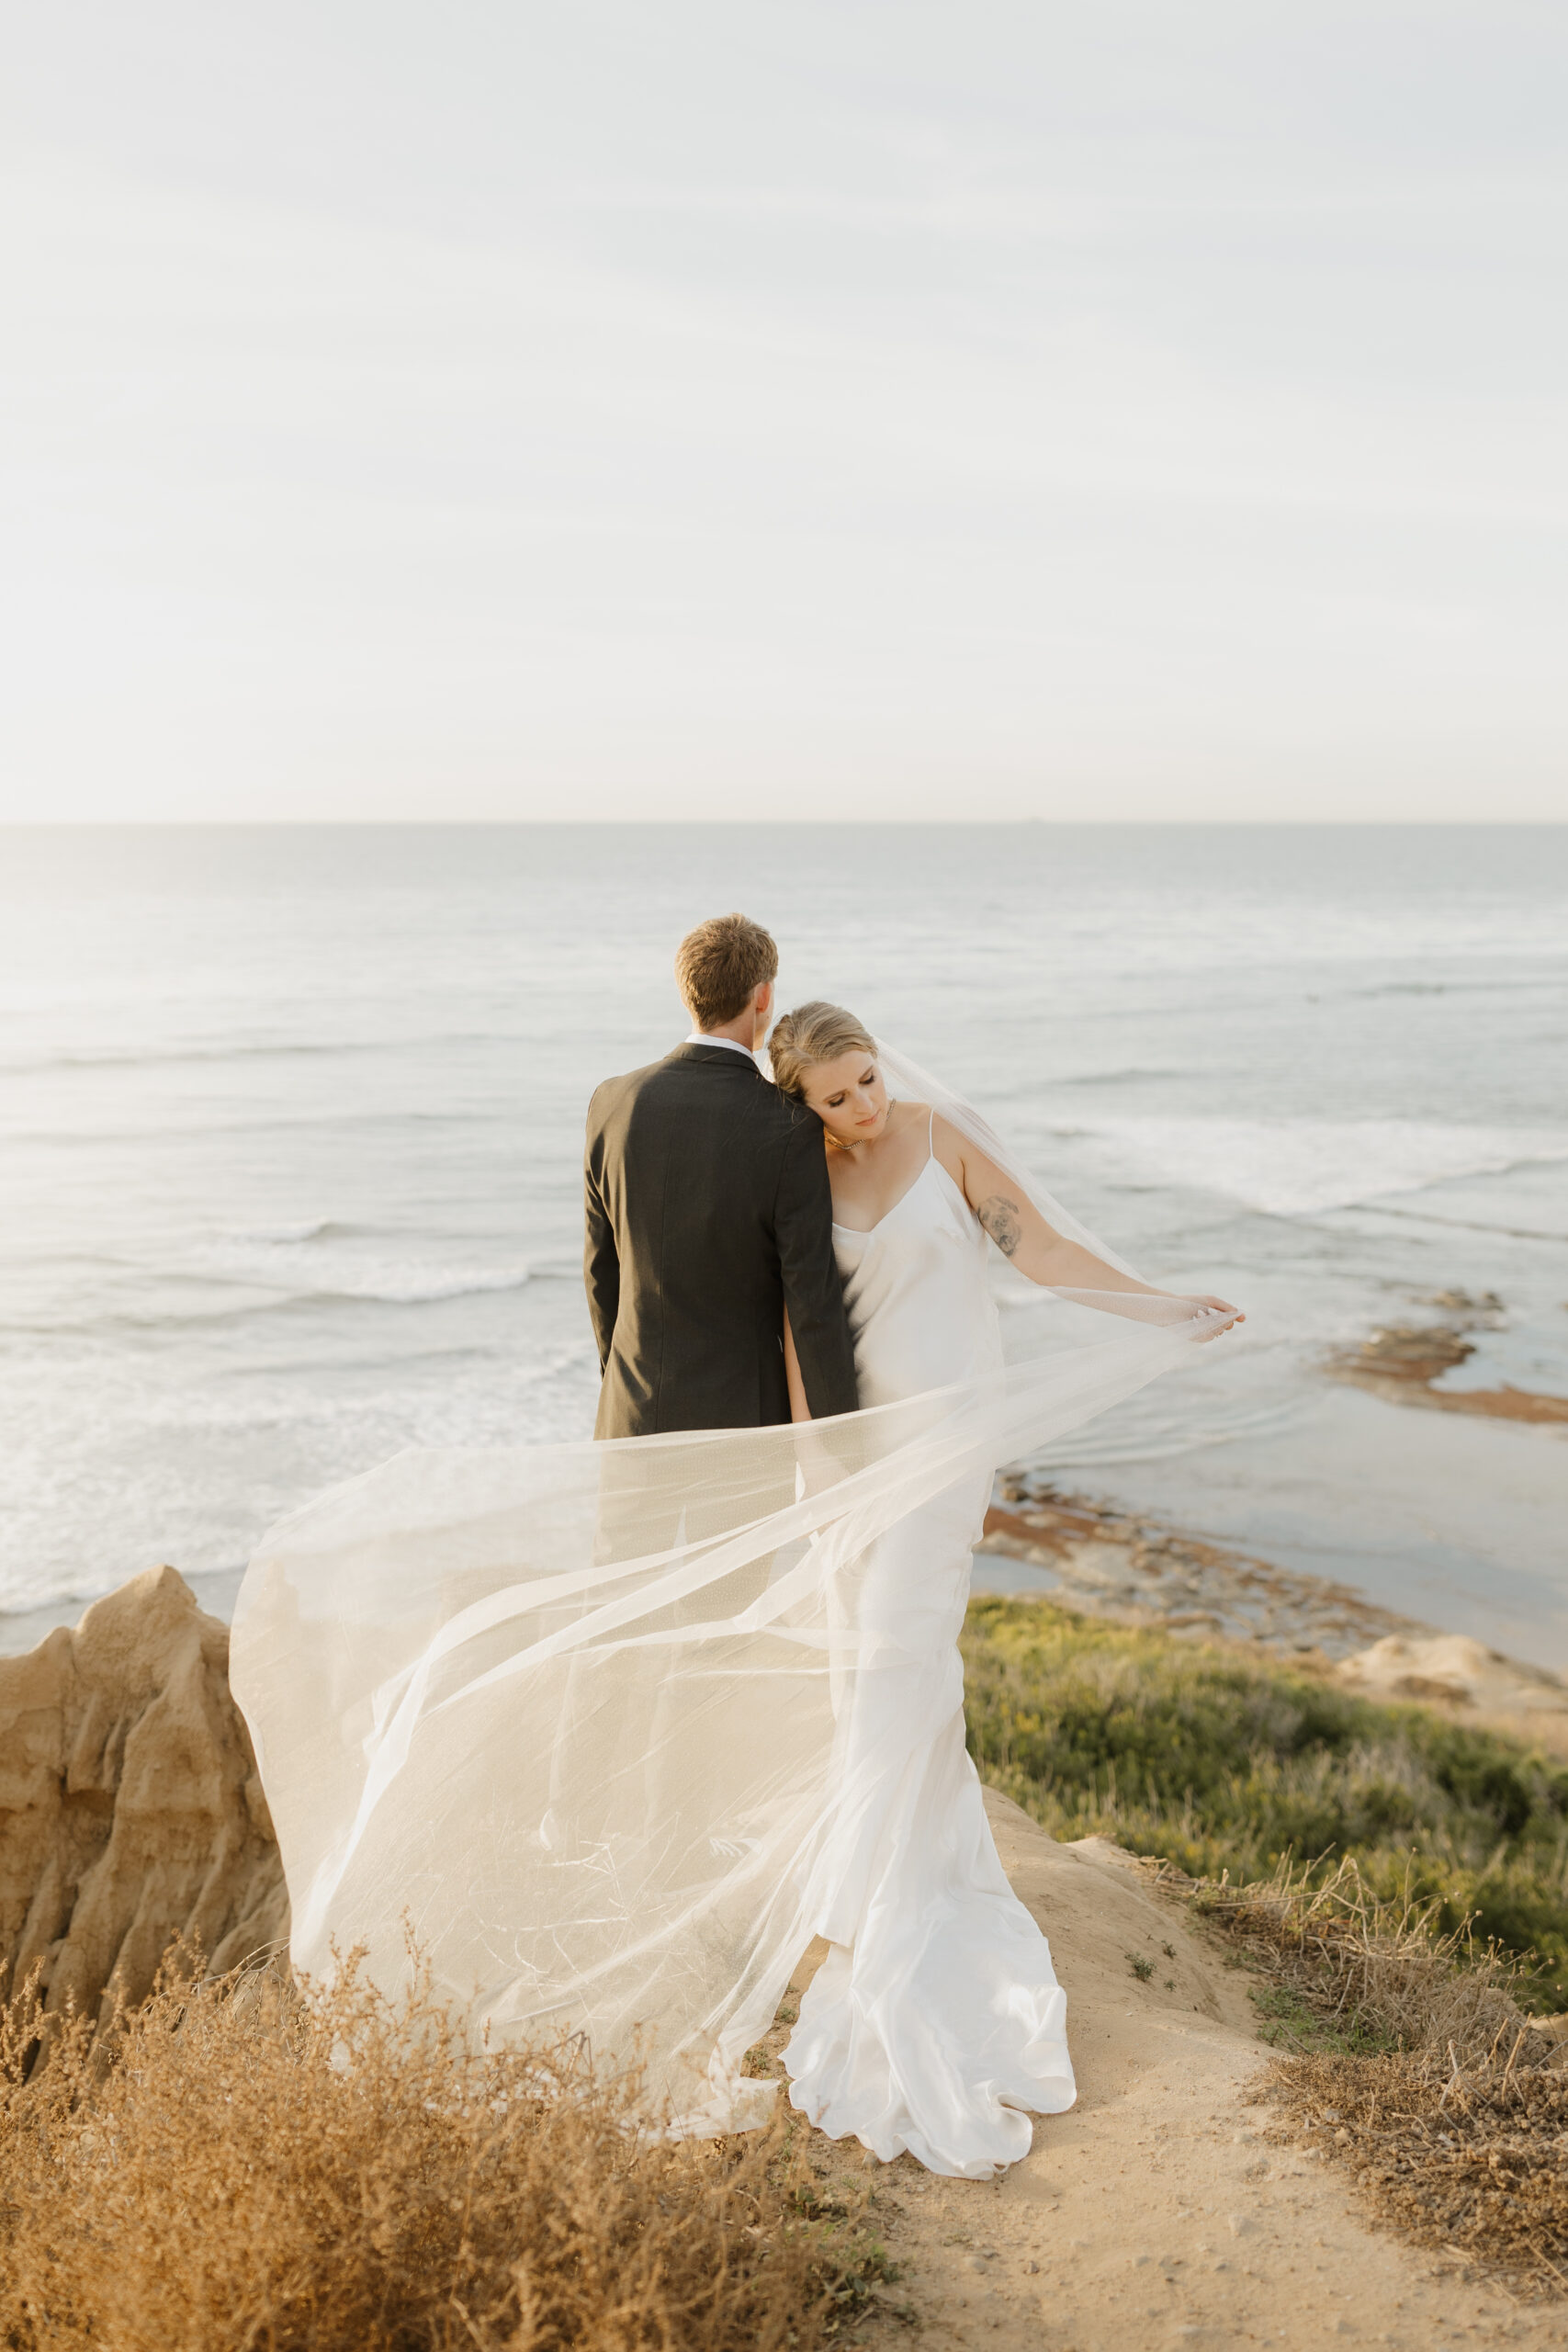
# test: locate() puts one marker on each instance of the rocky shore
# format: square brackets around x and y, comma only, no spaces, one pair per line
[1137,1571]
[1405,1362]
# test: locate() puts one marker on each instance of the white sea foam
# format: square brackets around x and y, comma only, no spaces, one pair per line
[296,1262]
[1305,1167]
[309,1228]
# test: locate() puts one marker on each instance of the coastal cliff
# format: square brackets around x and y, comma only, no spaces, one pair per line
[130,1812]
[1177,2200]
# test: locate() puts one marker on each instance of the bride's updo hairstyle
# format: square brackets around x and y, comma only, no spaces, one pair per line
[813,1033]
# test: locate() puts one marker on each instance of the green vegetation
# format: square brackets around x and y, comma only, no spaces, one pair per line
[1223,1763]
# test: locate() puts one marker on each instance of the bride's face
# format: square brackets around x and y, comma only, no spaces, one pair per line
[849,1098]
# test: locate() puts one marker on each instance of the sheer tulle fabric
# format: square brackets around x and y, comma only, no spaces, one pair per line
[618,1728]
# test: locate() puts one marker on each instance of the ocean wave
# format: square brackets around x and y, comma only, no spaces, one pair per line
[293,1261]
[1122,1076]
[260,1049]
[314,1228]
[1456,988]
[1471,1223]
[178,1057]
[1307,1167]
[160,1129]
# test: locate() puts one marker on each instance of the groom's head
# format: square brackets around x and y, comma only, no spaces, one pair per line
[725,971]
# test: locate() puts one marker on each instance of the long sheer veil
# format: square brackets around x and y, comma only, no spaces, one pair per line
[585,1717]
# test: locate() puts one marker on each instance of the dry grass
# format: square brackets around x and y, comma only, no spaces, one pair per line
[245,2165]
[1414,2063]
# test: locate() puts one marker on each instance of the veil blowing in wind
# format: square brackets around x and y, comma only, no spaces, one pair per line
[620,1726]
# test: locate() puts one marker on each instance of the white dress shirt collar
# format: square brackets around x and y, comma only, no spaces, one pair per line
[699,1037]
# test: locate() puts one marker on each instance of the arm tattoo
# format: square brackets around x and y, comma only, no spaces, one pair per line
[1003,1221]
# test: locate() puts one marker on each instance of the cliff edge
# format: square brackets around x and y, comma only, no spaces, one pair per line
[1164,2209]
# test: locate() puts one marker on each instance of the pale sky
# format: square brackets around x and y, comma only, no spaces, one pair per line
[863,408]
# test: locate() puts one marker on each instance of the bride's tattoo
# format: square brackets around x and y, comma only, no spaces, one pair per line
[1003,1221]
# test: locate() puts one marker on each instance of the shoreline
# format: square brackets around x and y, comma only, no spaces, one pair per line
[1139,1568]
[1231,1594]
[1145,1569]
[1136,1570]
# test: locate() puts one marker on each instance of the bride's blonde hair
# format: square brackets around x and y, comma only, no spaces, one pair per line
[814,1033]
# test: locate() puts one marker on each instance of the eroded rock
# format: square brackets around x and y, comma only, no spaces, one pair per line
[1405,1363]
[130,1811]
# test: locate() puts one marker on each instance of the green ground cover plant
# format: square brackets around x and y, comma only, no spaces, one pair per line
[1225,1763]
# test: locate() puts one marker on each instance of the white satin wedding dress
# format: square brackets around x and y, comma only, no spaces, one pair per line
[608,1732]
[936,2019]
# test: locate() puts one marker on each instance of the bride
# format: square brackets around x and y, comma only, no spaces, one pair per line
[936,2019]
[614,1730]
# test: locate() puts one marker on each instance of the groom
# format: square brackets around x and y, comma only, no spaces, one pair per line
[708,1211]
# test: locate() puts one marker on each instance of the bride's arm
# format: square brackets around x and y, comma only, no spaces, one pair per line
[1021,1233]
[799,1410]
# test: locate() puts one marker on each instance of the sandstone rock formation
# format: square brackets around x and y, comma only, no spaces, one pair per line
[130,1813]
[1452,1666]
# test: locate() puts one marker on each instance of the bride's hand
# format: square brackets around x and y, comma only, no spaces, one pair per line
[1233,1315]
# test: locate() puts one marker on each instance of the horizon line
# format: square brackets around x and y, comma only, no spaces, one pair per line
[758,824]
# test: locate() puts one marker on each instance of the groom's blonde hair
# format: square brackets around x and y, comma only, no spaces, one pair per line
[814,1033]
[718,964]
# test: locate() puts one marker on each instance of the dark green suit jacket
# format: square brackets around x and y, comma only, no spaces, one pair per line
[708,1207]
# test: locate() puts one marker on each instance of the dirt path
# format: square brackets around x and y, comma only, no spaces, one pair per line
[1156,2213]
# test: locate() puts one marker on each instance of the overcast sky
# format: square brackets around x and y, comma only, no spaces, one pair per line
[843,407]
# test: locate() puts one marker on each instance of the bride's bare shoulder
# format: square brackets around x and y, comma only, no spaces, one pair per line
[947,1145]
[920,1119]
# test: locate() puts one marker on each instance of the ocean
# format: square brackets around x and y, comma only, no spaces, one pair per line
[290,1124]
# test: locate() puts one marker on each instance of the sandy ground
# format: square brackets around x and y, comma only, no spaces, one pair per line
[1158,2213]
